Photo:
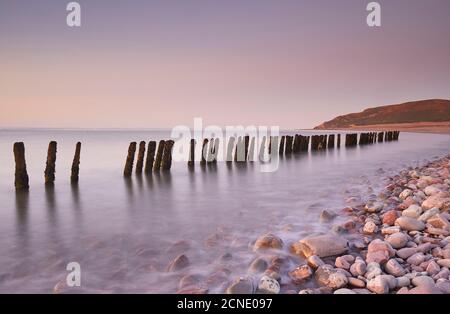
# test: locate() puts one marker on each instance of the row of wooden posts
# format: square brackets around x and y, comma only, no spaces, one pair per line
[21,181]
[160,159]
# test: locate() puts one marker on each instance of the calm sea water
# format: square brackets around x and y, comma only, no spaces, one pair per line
[122,231]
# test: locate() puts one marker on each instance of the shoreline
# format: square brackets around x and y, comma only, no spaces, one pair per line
[416,127]
[397,242]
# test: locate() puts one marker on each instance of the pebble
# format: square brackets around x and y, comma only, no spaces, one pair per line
[370,227]
[180,262]
[268,285]
[379,251]
[413,211]
[416,259]
[258,265]
[373,207]
[301,273]
[428,214]
[397,240]
[432,268]
[390,230]
[324,245]
[358,268]
[382,284]
[393,267]
[355,282]
[344,262]
[328,276]
[444,262]
[242,285]
[390,217]
[405,193]
[440,222]
[373,270]
[403,282]
[314,261]
[410,224]
[268,241]
[444,286]
[327,215]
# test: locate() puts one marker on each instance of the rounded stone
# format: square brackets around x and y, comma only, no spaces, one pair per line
[397,240]
[268,285]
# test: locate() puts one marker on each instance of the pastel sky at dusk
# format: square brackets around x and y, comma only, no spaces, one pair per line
[152,64]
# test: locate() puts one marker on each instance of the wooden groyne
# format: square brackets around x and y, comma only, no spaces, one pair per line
[21,175]
[128,170]
[50,166]
[150,157]
[75,173]
[240,150]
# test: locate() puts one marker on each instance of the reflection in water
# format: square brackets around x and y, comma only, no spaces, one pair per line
[75,190]
[124,232]
[22,205]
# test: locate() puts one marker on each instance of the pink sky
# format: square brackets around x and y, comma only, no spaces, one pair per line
[162,63]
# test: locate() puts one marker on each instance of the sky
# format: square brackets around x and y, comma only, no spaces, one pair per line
[157,64]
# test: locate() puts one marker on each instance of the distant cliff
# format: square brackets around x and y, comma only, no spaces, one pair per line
[423,111]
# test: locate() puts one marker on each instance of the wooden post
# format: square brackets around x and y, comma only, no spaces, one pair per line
[262,149]
[281,149]
[339,140]
[21,175]
[251,150]
[331,141]
[204,151]
[239,153]
[76,164]
[288,148]
[130,160]
[159,155]
[166,162]
[210,156]
[246,143]
[50,166]
[191,161]
[304,143]
[269,147]
[230,149]
[140,158]
[150,157]
[380,137]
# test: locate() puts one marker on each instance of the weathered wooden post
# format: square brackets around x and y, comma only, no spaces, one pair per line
[21,175]
[130,160]
[269,147]
[281,149]
[380,137]
[50,166]
[262,149]
[166,162]
[191,161]
[159,155]
[150,157]
[204,151]
[331,141]
[251,150]
[288,148]
[338,144]
[305,143]
[246,143]
[140,158]
[230,149]
[239,153]
[76,164]
[210,156]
